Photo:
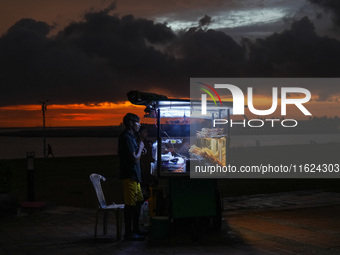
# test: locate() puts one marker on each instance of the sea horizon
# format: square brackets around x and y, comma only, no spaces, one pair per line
[16,146]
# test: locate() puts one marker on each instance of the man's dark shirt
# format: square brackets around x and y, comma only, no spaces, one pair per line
[128,168]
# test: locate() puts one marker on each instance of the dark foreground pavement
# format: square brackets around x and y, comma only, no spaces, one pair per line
[287,223]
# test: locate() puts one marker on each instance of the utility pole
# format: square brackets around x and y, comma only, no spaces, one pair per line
[44,109]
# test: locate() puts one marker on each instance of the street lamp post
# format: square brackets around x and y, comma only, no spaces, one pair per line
[44,109]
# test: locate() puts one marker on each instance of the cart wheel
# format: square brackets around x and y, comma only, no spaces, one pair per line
[217,220]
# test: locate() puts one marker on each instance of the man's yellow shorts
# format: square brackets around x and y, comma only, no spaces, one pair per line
[132,192]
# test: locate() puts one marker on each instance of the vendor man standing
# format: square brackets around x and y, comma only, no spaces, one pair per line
[129,153]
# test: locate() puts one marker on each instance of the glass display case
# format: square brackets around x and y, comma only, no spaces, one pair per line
[174,154]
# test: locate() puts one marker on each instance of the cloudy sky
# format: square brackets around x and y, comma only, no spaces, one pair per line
[84,56]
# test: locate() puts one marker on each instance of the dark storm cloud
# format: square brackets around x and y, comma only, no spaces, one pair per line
[205,21]
[330,5]
[121,47]
[297,52]
[21,60]
[208,53]
[103,57]
[96,60]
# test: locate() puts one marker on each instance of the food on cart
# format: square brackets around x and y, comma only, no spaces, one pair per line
[213,143]
[166,157]
[196,150]
[206,154]
[178,171]
[210,132]
[172,163]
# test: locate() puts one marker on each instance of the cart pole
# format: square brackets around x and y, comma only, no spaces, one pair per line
[44,109]
[159,143]
[228,138]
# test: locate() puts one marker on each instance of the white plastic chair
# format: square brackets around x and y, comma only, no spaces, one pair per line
[102,207]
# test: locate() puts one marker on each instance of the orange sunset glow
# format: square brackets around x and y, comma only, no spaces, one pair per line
[107,114]
[103,114]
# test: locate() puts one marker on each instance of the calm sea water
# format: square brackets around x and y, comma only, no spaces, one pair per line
[16,147]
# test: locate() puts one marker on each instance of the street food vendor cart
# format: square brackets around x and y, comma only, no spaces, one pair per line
[175,153]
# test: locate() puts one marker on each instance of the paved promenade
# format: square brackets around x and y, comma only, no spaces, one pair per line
[306,222]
